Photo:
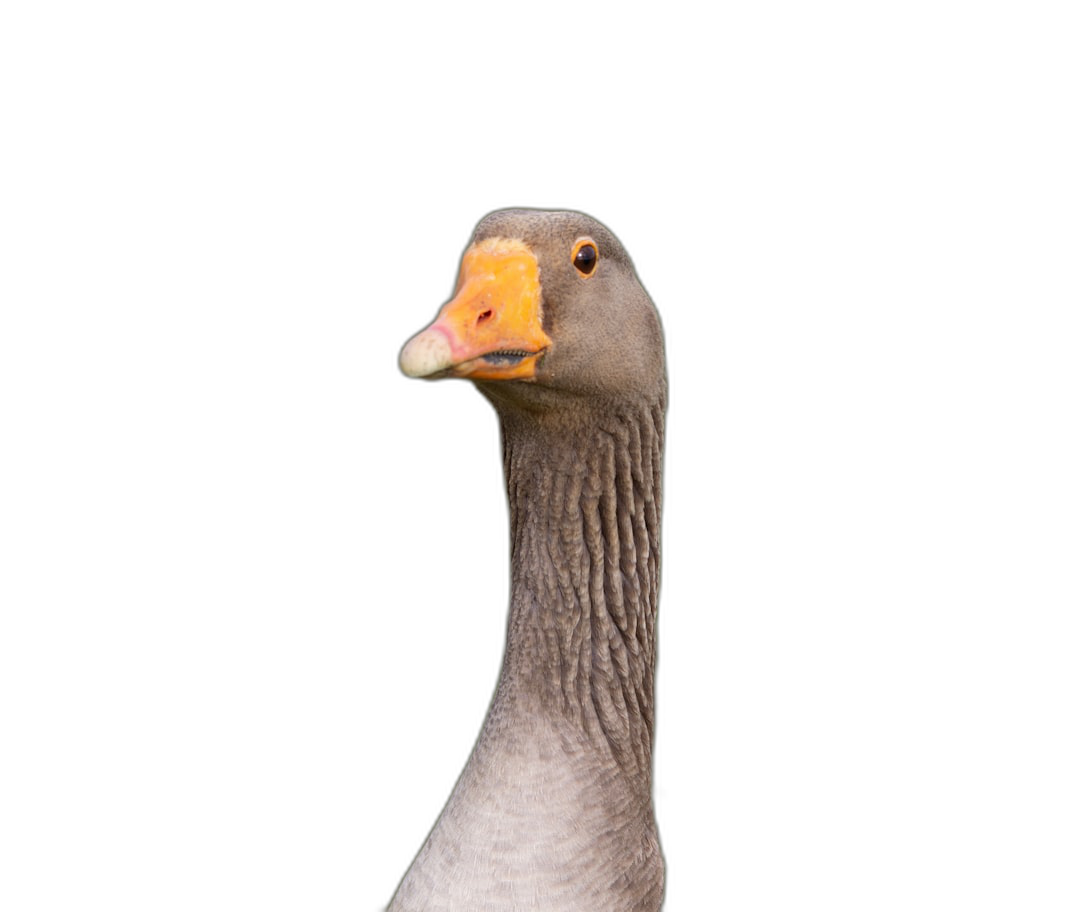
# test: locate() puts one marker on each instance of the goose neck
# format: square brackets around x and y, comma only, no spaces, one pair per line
[585,503]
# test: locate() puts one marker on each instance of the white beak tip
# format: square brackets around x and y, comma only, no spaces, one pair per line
[426,353]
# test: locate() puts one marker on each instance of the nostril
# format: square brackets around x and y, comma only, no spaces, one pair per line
[485,316]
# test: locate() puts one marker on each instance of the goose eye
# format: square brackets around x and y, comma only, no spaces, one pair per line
[585,257]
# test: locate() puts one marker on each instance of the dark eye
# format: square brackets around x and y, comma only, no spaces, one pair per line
[585,257]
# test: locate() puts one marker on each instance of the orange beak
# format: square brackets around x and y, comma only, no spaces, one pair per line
[491,329]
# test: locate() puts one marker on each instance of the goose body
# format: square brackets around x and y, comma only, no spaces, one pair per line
[554,809]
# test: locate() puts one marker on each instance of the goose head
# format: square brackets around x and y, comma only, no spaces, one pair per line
[547,304]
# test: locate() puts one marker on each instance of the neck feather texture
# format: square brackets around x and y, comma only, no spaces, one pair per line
[585,564]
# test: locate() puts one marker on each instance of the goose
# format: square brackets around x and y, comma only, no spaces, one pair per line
[553,809]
